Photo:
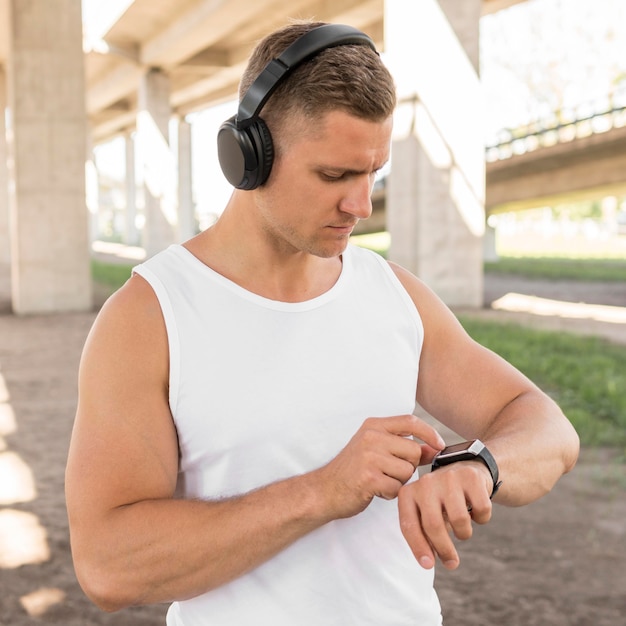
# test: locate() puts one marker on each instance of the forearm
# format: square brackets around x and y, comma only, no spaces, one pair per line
[164,550]
[534,445]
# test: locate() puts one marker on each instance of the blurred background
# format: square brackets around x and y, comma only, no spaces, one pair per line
[506,193]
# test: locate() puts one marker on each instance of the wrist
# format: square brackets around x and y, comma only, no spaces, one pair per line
[474,451]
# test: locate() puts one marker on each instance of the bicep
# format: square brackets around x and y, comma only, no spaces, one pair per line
[465,385]
[124,447]
[461,383]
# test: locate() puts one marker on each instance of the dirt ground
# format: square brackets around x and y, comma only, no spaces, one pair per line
[559,561]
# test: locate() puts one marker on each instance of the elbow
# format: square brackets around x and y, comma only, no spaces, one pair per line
[105,598]
[106,590]
[571,449]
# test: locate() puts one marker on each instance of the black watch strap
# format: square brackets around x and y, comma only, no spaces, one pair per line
[473,451]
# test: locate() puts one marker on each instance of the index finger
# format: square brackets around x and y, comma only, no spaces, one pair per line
[413,426]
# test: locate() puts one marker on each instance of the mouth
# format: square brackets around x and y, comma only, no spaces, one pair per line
[343,228]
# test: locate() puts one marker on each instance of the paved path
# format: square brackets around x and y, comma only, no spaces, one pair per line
[586,308]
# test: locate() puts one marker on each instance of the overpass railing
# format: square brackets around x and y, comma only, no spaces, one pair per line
[563,125]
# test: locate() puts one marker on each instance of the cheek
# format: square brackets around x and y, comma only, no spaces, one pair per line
[292,186]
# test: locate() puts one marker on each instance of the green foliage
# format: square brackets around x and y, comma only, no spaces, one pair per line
[378,242]
[609,270]
[584,375]
[110,274]
[576,211]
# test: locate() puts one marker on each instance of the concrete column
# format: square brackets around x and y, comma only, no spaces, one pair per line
[5,249]
[131,234]
[186,219]
[92,190]
[47,137]
[159,166]
[435,197]
[490,248]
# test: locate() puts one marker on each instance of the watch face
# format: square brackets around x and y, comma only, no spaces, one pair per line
[457,447]
[471,447]
[466,451]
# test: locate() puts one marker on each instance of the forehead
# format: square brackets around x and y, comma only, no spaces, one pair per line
[338,135]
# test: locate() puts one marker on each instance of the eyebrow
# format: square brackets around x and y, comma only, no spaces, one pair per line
[348,171]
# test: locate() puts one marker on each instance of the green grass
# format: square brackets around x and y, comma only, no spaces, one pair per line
[110,274]
[378,242]
[586,376]
[609,270]
[556,266]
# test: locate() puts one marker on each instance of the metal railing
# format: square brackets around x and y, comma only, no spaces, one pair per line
[567,124]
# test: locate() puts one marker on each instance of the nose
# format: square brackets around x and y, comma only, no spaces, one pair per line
[357,200]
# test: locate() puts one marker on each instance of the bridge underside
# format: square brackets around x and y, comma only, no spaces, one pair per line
[165,58]
[585,167]
[589,167]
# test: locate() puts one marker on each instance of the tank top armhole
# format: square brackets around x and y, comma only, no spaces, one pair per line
[171,330]
[406,298]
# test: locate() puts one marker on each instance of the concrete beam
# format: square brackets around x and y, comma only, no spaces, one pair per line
[595,164]
[113,87]
[197,28]
[493,6]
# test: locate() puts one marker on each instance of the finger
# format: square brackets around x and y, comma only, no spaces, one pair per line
[427,454]
[434,526]
[412,532]
[387,487]
[413,451]
[477,492]
[411,425]
[397,468]
[406,449]
[458,517]
[480,508]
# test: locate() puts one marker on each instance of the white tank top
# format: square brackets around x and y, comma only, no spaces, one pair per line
[262,390]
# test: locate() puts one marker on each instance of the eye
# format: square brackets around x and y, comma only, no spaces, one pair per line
[331,177]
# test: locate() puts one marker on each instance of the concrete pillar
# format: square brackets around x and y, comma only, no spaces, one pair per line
[47,137]
[159,165]
[435,197]
[490,248]
[5,249]
[92,190]
[131,234]
[186,218]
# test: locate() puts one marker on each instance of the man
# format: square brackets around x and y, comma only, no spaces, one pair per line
[268,372]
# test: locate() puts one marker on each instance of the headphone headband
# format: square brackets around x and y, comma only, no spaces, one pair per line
[307,46]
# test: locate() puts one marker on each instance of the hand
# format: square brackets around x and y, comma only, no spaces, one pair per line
[380,458]
[441,503]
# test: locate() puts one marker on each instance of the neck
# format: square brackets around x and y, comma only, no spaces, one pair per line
[237,248]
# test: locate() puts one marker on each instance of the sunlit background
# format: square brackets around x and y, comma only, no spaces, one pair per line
[537,59]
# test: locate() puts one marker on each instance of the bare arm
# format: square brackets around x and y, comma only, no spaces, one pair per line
[132,542]
[478,395]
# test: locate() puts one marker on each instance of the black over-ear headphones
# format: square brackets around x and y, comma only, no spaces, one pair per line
[244,143]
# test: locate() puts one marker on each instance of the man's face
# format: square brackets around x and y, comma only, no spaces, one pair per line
[321,184]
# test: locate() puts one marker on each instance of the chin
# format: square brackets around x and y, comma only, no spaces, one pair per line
[331,250]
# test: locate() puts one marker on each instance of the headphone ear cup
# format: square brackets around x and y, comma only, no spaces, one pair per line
[232,147]
[265,151]
[245,155]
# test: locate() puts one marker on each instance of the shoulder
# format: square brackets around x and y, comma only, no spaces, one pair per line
[129,332]
[440,324]
[133,306]
[424,298]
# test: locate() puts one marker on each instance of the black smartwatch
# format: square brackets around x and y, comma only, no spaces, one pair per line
[474,450]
